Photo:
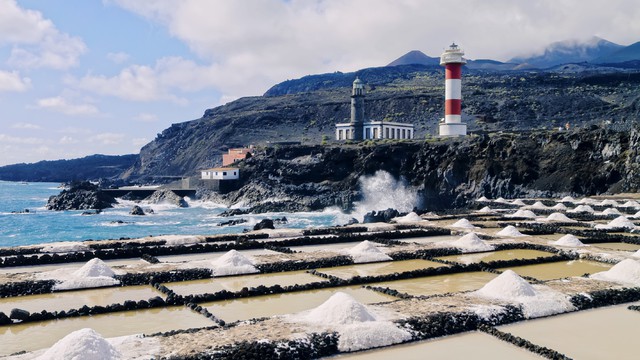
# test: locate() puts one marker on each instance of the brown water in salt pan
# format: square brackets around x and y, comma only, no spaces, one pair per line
[497,256]
[329,247]
[68,300]
[473,345]
[34,336]
[440,284]
[269,305]
[560,269]
[381,268]
[74,265]
[617,246]
[236,283]
[607,333]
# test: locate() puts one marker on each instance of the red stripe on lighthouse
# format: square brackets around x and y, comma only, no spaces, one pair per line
[453,71]
[453,107]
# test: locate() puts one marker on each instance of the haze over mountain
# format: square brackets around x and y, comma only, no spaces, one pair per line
[629,53]
[569,51]
[415,57]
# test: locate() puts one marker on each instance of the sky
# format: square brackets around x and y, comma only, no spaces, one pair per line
[81,77]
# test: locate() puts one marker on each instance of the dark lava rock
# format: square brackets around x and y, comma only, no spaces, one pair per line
[353,221]
[87,213]
[136,210]
[156,301]
[4,319]
[283,206]
[149,211]
[381,216]
[81,196]
[233,212]
[166,196]
[264,224]
[232,222]
[19,314]
[281,221]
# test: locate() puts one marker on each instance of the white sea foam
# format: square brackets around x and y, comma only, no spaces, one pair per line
[382,191]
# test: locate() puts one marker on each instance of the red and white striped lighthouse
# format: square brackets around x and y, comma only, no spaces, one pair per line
[452,61]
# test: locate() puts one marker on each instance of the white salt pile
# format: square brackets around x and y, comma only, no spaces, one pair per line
[232,263]
[539,205]
[587,201]
[470,243]
[510,231]
[357,326]
[559,217]
[518,202]
[501,200]
[483,199]
[559,206]
[536,301]
[523,214]
[611,211]
[636,254]
[626,272]
[608,202]
[462,224]
[410,217]
[619,222]
[582,208]
[64,247]
[366,252]
[631,203]
[568,199]
[95,273]
[568,240]
[83,344]
[507,286]
[637,215]
[485,210]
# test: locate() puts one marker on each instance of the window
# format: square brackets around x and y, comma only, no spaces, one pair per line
[224,173]
[403,134]
[339,134]
[367,133]
[375,133]
[387,131]
[234,173]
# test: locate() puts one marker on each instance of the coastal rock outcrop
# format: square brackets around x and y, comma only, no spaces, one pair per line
[136,210]
[165,196]
[264,224]
[81,196]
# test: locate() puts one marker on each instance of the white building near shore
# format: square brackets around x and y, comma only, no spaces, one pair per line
[221,173]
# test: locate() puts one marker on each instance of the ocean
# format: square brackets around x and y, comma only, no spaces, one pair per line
[201,218]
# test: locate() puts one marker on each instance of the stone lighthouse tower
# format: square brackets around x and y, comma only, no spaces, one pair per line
[452,61]
[357,109]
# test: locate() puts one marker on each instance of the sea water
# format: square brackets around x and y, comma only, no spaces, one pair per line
[200,218]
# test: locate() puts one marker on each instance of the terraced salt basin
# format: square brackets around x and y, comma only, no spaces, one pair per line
[428,239]
[67,300]
[380,268]
[440,284]
[617,246]
[34,336]
[278,304]
[211,255]
[236,283]
[606,333]
[329,247]
[561,269]
[74,265]
[472,345]
[497,256]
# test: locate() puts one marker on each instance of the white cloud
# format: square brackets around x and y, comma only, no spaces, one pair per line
[146,117]
[139,142]
[26,126]
[61,105]
[36,41]
[67,140]
[107,138]
[118,57]
[252,44]
[11,81]
[8,139]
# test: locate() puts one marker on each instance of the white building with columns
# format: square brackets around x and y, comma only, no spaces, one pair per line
[359,129]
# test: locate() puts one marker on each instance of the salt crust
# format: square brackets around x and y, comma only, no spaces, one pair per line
[582,208]
[568,240]
[483,199]
[485,210]
[64,247]
[587,201]
[625,272]
[410,217]
[608,202]
[501,200]
[619,222]
[366,252]
[568,199]
[535,301]
[462,224]
[518,202]
[83,344]
[510,231]
[636,254]
[173,240]
[538,205]
[232,263]
[523,214]
[631,203]
[611,211]
[95,273]
[559,217]
[357,326]
[559,206]
[470,243]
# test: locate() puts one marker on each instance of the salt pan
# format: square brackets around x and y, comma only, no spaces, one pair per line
[83,344]
[340,309]
[523,214]
[568,240]
[64,247]
[365,252]
[511,231]
[471,243]
[462,224]
[626,272]
[232,263]
[559,217]
[582,208]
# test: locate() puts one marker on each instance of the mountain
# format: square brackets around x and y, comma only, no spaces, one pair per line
[626,54]
[91,167]
[569,51]
[415,57]
[486,64]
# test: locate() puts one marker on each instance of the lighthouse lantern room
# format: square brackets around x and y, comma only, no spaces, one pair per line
[452,61]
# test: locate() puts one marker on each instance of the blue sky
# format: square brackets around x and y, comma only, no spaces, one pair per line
[80,77]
